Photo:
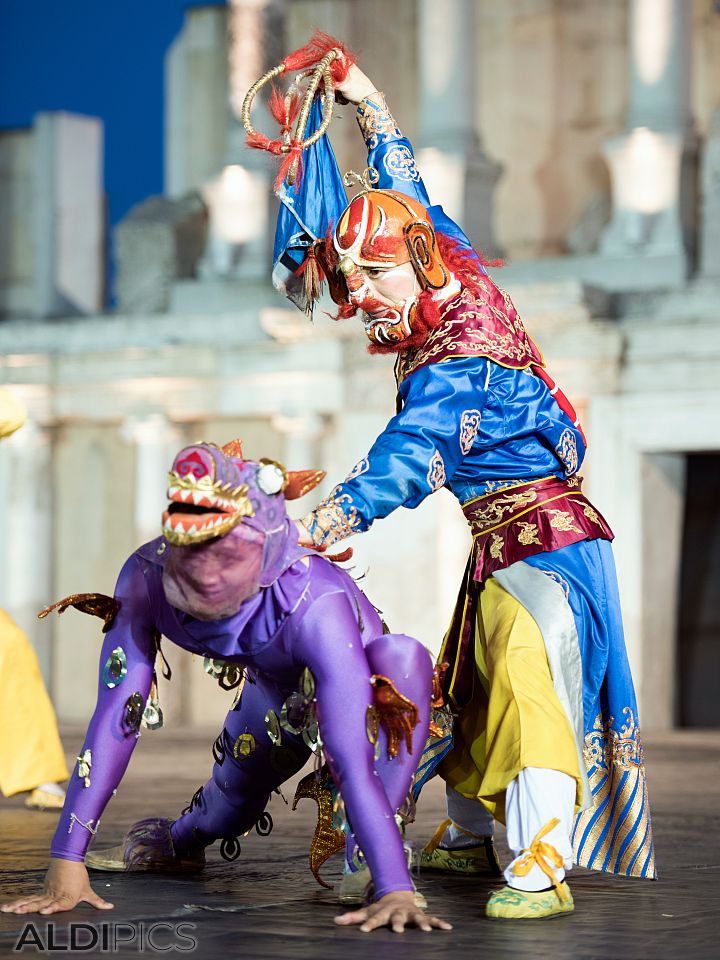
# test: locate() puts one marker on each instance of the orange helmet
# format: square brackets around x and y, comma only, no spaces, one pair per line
[379,228]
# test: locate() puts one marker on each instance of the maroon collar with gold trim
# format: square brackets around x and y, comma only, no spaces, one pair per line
[475,327]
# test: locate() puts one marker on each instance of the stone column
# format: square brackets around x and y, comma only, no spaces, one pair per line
[69,215]
[710,202]
[453,164]
[17,198]
[156,442]
[196,101]
[652,162]
[239,195]
[26,531]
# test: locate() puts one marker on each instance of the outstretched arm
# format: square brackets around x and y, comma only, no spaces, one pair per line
[106,751]
[417,453]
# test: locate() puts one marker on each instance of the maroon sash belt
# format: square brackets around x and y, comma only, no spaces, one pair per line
[510,525]
[530,518]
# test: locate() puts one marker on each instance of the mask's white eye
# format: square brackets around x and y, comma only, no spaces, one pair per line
[271,477]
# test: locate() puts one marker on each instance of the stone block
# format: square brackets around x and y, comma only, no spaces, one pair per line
[16,241]
[160,241]
[68,215]
[710,202]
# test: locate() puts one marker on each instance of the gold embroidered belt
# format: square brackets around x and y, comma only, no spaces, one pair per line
[529,518]
[510,525]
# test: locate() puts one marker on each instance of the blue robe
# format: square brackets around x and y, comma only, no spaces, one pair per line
[475,426]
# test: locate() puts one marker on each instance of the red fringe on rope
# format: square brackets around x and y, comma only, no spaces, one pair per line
[260,142]
[315,49]
[295,153]
[284,113]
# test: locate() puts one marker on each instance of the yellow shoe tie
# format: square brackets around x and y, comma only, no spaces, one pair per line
[540,853]
[434,841]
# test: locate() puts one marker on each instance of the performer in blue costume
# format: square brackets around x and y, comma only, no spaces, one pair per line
[533,668]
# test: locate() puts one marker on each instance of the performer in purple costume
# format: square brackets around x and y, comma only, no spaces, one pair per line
[228,581]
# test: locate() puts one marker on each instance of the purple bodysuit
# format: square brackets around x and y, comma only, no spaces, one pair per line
[311,614]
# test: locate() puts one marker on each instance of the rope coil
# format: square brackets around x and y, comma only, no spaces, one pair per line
[291,144]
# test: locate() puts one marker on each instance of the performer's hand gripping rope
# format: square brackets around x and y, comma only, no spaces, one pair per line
[323,59]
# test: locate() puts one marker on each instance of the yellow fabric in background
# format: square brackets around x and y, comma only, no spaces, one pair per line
[30,749]
[514,719]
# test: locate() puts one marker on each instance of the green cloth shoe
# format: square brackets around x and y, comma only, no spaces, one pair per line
[511,904]
[480,858]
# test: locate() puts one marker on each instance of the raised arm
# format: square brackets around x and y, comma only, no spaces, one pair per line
[389,152]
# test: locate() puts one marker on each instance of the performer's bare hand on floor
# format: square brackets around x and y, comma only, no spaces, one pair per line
[66,885]
[396,910]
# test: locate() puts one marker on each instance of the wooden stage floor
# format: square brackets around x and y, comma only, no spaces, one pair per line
[267,905]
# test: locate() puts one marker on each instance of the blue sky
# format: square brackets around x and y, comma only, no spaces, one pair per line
[98,57]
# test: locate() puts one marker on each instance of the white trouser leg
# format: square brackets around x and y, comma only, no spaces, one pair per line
[534,798]
[471,816]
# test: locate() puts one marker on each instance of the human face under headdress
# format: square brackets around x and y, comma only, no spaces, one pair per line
[387,255]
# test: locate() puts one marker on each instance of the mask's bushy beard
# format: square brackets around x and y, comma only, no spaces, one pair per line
[467,267]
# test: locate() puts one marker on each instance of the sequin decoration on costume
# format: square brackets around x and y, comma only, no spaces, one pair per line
[469,426]
[615,834]
[397,716]
[436,472]
[115,669]
[152,718]
[399,163]
[94,604]
[376,123]
[84,762]
[132,715]
[244,746]
[334,518]
[327,839]
[228,675]
[298,714]
[272,725]
[567,452]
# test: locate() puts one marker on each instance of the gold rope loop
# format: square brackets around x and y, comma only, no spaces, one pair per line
[319,73]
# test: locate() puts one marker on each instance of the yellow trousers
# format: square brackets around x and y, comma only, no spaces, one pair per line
[30,748]
[514,719]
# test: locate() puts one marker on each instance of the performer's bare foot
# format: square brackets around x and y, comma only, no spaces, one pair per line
[66,885]
[396,910]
